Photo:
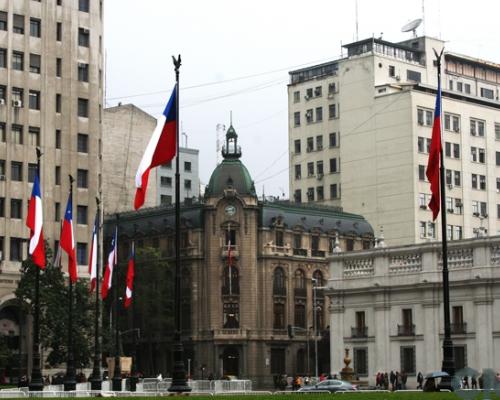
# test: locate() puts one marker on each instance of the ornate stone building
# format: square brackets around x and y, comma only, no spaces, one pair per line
[248,268]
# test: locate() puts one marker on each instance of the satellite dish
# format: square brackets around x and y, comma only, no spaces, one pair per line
[412,26]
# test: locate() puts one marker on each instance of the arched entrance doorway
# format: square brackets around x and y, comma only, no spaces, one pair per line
[231,361]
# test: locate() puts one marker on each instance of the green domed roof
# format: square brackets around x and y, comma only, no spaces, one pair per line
[230,174]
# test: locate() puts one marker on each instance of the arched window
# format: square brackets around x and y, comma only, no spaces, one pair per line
[300,284]
[279,316]
[300,315]
[279,284]
[231,283]
[318,275]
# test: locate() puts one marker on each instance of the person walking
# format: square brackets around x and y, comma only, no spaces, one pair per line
[466,382]
[473,382]
[392,380]
[420,380]
[386,381]
[404,379]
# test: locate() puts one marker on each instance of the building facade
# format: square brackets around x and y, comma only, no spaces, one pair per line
[360,129]
[247,269]
[386,307]
[50,97]
[190,177]
[126,132]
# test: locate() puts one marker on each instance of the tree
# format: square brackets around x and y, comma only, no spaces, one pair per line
[54,312]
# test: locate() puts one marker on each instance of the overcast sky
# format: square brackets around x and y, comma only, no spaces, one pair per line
[251,45]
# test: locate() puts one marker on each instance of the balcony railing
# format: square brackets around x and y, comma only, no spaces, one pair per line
[359,331]
[317,253]
[300,252]
[458,328]
[406,330]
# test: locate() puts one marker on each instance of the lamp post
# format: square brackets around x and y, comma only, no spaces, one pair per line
[315,328]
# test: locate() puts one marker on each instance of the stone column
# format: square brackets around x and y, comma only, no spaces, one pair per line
[379,356]
[484,338]
[336,337]
[430,359]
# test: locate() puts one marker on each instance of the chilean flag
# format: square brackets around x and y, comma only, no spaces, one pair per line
[432,171]
[108,272]
[67,242]
[93,258]
[34,221]
[130,277]
[161,148]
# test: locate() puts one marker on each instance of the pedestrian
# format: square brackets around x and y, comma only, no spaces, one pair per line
[398,380]
[420,380]
[386,381]
[392,377]
[473,382]
[466,382]
[404,379]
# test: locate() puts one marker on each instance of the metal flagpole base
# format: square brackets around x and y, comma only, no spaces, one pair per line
[447,366]
[36,382]
[70,381]
[179,382]
[95,380]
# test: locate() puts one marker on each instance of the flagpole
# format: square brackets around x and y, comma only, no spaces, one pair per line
[95,380]
[36,381]
[448,359]
[117,375]
[70,378]
[179,383]
[133,373]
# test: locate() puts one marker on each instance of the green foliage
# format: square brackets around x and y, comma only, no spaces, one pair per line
[54,312]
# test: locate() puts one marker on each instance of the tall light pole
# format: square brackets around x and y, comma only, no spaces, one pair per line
[315,327]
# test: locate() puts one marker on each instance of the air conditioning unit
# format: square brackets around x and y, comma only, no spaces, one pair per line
[476,214]
[484,215]
[450,210]
[423,207]
[17,103]
[456,130]
[319,177]
[306,97]
[2,102]
[86,30]
[331,95]
[397,77]
[308,114]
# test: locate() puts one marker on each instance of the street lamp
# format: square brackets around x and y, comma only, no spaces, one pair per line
[315,327]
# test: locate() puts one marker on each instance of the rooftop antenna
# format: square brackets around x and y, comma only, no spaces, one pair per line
[357,20]
[412,26]
[423,17]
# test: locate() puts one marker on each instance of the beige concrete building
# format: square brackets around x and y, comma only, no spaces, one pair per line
[235,318]
[51,97]
[360,127]
[126,133]
[386,307]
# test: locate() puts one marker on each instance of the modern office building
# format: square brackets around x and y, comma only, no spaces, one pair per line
[126,133]
[235,314]
[51,91]
[360,128]
[386,307]
[189,174]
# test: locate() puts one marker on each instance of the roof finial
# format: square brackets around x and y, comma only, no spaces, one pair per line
[336,245]
[381,242]
[231,118]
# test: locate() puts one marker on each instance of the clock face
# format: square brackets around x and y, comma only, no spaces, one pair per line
[230,210]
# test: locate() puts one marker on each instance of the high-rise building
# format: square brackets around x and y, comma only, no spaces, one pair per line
[50,96]
[360,129]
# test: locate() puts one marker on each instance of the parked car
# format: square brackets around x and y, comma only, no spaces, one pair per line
[330,385]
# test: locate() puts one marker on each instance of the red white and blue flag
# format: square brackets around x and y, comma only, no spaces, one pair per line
[130,277]
[433,164]
[112,261]
[160,150]
[34,221]
[93,258]
[67,241]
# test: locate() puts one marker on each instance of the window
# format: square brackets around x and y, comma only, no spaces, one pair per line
[81,253]
[296,97]
[187,166]
[279,316]
[34,100]
[2,212]
[460,355]
[320,193]
[310,169]
[310,144]
[2,132]
[332,111]
[58,139]
[59,31]
[165,199]
[278,366]
[297,196]
[3,20]
[360,356]
[334,194]
[83,37]
[83,5]
[57,175]
[278,238]
[457,179]
[187,184]
[467,88]
[309,93]
[457,233]
[310,194]
[451,84]
[319,142]
[487,93]
[18,24]
[424,117]
[392,71]
[460,87]
[18,60]
[16,249]
[413,75]
[34,136]
[333,165]
[83,72]
[421,173]
[16,208]
[309,116]
[82,179]
[297,146]
[166,181]
[333,139]
[482,182]
[35,27]
[58,102]
[57,212]
[16,134]
[474,181]
[300,315]
[279,285]
[318,91]
[296,118]
[298,172]
[58,67]
[83,108]
[81,215]
[83,143]
[319,168]
[451,122]
[32,170]
[3,58]
[319,114]
[481,156]
[407,354]
[17,96]
[476,127]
